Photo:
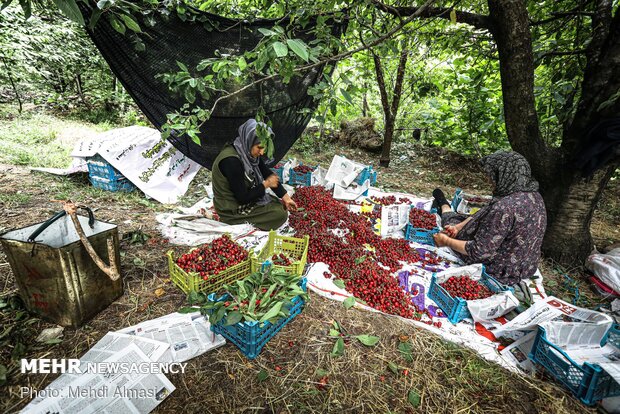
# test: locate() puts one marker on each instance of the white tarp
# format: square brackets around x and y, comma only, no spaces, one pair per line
[154,166]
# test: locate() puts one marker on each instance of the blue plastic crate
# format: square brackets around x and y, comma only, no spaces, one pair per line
[456,200]
[280,173]
[250,337]
[588,382]
[418,235]
[100,168]
[367,174]
[304,179]
[121,184]
[455,308]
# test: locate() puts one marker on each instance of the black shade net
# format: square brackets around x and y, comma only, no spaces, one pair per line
[171,39]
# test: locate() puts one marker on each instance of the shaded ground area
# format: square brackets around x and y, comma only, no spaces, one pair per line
[445,377]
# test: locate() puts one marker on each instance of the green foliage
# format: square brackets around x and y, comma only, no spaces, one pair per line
[452,87]
[260,297]
[52,62]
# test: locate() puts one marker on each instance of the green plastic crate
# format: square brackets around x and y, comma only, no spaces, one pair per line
[292,247]
[192,282]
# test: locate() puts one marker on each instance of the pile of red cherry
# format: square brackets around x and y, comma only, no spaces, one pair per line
[465,287]
[303,169]
[422,219]
[358,256]
[212,258]
[281,260]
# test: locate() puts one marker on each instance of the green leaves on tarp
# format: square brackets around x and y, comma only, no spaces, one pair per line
[349,302]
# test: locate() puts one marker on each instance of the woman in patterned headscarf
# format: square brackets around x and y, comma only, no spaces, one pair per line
[505,236]
[240,180]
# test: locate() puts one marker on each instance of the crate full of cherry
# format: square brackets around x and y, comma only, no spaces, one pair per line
[288,254]
[301,175]
[456,290]
[421,227]
[208,267]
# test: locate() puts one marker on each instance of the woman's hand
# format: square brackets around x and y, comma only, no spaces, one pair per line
[451,231]
[272,181]
[289,203]
[441,239]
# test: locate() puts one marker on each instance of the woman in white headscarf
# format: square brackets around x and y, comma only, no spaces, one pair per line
[240,180]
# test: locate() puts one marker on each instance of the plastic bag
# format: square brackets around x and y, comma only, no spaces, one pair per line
[606,267]
[483,310]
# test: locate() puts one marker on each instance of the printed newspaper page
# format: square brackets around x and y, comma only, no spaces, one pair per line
[121,387]
[188,335]
[394,218]
[547,310]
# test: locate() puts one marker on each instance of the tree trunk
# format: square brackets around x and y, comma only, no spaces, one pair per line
[390,109]
[511,32]
[569,215]
[8,71]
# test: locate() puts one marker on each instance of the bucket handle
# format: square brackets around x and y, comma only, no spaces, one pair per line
[112,269]
[42,227]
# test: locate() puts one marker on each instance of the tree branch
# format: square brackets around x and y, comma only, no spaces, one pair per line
[400,76]
[328,59]
[385,103]
[478,21]
[561,53]
[558,16]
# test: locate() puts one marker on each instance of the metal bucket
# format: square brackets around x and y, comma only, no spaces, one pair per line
[56,277]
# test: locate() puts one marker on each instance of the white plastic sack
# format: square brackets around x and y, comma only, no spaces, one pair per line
[484,310]
[606,267]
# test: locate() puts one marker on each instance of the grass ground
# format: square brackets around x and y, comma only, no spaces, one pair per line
[445,377]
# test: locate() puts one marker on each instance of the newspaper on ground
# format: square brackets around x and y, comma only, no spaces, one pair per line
[394,218]
[351,192]
[154,166]
[113,391]
[549,309]
[188,335]
[343,171]
[518,352]
[173,338]
[78,165]
[103,351]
